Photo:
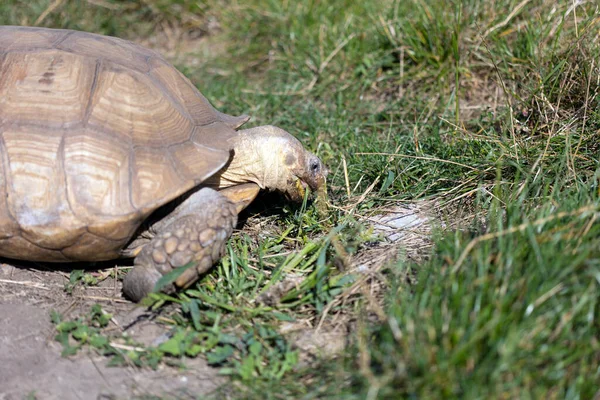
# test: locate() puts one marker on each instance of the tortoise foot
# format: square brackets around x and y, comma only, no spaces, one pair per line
[196,233]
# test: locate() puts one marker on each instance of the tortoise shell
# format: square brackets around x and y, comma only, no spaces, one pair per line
[95,134]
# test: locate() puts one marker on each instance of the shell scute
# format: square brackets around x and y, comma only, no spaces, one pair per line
[95,134]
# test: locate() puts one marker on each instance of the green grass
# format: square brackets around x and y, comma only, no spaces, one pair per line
[127,19]
[490,108]
[508,306]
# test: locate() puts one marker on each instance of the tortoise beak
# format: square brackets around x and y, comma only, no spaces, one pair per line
[297,190]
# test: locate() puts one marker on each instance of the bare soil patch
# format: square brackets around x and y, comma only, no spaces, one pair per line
[30,359]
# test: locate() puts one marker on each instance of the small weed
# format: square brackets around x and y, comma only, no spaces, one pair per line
[84,331]
[80,277]
[31,396]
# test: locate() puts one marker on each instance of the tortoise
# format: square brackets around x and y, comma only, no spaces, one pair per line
[108,151]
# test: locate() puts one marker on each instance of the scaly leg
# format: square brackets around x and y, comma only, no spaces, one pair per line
[196,231]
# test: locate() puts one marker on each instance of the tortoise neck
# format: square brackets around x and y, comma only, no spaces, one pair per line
[248,164]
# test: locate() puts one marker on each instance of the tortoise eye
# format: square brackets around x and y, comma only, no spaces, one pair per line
[315,166]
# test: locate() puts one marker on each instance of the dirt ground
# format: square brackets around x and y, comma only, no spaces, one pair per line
[30,359]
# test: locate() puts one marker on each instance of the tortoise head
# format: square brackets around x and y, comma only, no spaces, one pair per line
[275,160]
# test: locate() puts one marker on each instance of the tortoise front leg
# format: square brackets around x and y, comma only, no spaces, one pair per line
[196,231]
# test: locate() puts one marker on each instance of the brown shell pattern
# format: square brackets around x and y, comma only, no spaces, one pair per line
[95,133]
